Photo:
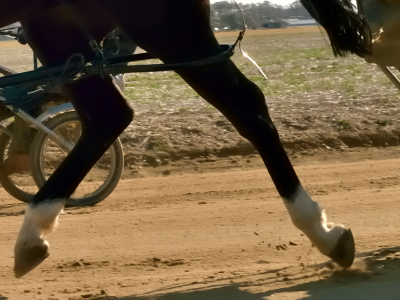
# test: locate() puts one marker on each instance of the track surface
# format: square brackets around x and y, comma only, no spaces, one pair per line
[216,236]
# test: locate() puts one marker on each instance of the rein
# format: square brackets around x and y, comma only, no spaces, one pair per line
[109,69]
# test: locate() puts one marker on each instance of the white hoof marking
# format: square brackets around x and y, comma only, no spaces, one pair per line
[40,220]
[308,216]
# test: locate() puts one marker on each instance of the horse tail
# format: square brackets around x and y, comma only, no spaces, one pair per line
[347,29]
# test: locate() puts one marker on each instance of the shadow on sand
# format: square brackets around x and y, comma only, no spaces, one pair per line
[375,275]
[12,209]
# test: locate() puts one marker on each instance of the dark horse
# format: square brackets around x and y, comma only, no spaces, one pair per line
[174,31]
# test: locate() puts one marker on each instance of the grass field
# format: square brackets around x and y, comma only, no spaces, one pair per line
[297,61]
[314,98]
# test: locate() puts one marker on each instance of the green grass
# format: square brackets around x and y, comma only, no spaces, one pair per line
[163,86]
[294,63]
[343,124]
[383,122]
[159,146]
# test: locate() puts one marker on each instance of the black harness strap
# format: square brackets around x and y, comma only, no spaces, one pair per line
[228,51]
[92,42]
[102,62]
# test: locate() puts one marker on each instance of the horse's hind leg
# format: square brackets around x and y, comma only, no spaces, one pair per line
[244,105]
[187,36]
[104,114]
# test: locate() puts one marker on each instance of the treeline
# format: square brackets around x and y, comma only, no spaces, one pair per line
[225,14]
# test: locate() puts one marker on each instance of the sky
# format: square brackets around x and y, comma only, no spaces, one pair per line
[278,2]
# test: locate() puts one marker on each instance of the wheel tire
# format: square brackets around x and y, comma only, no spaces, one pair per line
[37,162]
[6,181]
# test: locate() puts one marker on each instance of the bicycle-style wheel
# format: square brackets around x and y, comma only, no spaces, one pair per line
[19,185]
[46,156]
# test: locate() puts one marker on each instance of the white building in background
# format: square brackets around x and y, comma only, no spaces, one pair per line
[283,23]
[299,23]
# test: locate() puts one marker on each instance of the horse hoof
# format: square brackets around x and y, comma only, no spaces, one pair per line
[26,259]
[344,251]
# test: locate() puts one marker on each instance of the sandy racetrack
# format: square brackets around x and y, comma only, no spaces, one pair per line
[224,233]
[216,235]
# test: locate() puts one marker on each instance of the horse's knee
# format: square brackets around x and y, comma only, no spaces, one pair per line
[111,126]
[99,103]
[121,119]
[127,116]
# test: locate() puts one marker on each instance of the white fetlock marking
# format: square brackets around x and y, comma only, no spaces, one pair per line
[308,216]
[40,220]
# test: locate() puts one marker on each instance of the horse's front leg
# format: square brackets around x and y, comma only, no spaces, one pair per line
[31,247]
[104,114]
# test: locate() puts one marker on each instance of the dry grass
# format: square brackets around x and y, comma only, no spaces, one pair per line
[316,100]
[298,62]
[266,32]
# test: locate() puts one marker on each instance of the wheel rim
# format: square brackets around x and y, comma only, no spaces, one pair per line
[97,178]
[22,180]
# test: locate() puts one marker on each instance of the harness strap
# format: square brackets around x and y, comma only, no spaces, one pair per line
[92,42]
[109,69]
[102,63]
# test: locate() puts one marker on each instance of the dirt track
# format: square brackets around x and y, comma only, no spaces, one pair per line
[217,229]
[215,236]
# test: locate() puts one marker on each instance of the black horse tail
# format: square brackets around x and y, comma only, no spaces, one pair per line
[347,29]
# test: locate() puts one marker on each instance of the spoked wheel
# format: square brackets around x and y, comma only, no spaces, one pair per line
[19,185]
[46,156]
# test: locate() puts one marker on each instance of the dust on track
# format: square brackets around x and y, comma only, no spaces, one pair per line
[218,235]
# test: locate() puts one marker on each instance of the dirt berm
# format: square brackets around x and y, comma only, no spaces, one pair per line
[156,138]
